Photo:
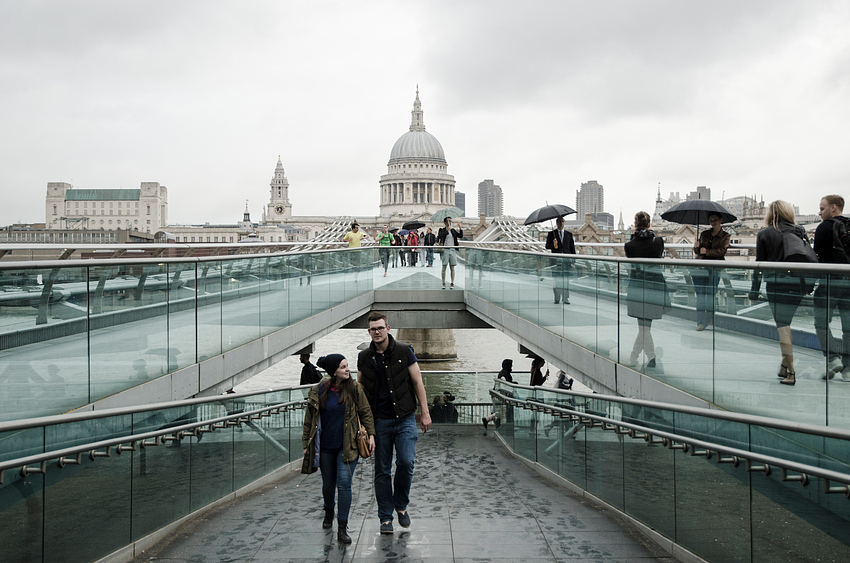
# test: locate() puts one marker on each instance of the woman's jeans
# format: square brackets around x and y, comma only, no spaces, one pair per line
[336,475]
[399,434]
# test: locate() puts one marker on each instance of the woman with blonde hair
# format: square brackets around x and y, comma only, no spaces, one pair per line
[785,290]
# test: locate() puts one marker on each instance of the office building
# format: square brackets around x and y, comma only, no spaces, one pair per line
[489,199]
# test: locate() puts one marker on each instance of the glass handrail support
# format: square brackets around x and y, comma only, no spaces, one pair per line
[688,323]
[74,333]
[724,486]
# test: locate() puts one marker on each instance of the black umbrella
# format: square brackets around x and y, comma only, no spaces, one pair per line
[548,212]
[696,212]
[413,225]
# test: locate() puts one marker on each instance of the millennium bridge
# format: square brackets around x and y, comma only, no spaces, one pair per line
[117,442]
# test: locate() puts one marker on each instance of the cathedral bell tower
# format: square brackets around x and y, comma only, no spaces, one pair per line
[278,209]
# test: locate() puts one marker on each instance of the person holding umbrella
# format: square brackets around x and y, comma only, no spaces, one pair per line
[560,241]
[712,245]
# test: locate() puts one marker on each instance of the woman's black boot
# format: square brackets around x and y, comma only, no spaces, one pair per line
[329,518]
[342,535]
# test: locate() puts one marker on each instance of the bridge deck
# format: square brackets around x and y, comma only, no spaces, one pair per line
[471,501]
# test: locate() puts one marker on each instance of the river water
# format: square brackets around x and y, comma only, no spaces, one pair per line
[478,350]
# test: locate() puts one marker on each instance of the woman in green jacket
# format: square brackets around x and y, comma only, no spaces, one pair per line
[329,436]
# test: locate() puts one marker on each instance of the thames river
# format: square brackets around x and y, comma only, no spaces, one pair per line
[478,350]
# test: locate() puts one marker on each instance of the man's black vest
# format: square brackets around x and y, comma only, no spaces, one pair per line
[395,358]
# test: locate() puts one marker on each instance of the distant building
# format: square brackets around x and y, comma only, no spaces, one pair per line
[490,199]
[460,201]
[144,209]
[278,207]
[700,193]
[590,199]
[417,181]
[603,221]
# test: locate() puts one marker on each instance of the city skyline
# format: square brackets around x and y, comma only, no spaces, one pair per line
[202,97]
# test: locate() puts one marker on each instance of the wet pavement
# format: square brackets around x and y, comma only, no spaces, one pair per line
[471,502]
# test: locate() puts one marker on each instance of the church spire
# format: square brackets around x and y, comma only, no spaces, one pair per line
[417,120]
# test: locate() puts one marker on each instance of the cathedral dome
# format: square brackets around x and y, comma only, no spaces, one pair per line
[417,145]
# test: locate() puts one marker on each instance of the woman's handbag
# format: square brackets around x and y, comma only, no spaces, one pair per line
[362,440]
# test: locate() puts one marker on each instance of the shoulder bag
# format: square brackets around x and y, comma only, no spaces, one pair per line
[362,439]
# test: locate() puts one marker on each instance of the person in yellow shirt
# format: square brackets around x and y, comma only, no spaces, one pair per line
[353,236]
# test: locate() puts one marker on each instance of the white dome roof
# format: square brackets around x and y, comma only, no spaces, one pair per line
[417,145]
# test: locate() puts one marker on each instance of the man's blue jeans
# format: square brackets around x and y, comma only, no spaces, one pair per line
[399,434]
[336,476]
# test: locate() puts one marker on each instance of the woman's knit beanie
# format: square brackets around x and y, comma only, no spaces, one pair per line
[330,363]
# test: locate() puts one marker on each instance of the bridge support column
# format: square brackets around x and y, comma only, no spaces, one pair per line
[430,344]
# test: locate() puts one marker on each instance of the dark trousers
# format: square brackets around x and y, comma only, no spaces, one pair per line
[827,299]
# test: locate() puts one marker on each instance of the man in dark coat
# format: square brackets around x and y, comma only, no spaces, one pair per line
[560,241]
[832,296]
[309,374]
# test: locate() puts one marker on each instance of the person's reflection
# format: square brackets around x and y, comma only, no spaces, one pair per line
[22,379]
[56,383]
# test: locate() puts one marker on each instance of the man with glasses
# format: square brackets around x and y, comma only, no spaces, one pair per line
[389,373]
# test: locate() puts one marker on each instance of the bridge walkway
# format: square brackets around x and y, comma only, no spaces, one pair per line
[471,501]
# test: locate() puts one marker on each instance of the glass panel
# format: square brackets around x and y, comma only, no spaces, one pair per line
[161,485]
[181,316]
[832,326]
[240,311]
[712,509]
[210,289]
[211,466]
[135,297]
[21,516]
[43,341]
[90,501]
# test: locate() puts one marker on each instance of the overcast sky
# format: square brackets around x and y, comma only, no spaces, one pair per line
[743,97]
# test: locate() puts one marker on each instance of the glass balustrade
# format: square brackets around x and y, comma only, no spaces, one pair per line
[113,500]
[720,511]
[692,326]
[76,333]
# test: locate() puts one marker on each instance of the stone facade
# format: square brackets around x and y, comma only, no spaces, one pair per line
[144,209]
[417,181]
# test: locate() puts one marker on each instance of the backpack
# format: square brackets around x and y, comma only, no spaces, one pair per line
[841,240]
[796,247]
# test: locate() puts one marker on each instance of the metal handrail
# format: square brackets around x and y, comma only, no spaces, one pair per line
[95,262]
[723,454]
[25,423]
[775,423]
[141,440]
[842,269]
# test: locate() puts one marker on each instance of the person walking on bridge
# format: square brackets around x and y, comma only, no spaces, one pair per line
[450,239]
[560,241]
[336,407]
[832,293]
[390,375]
